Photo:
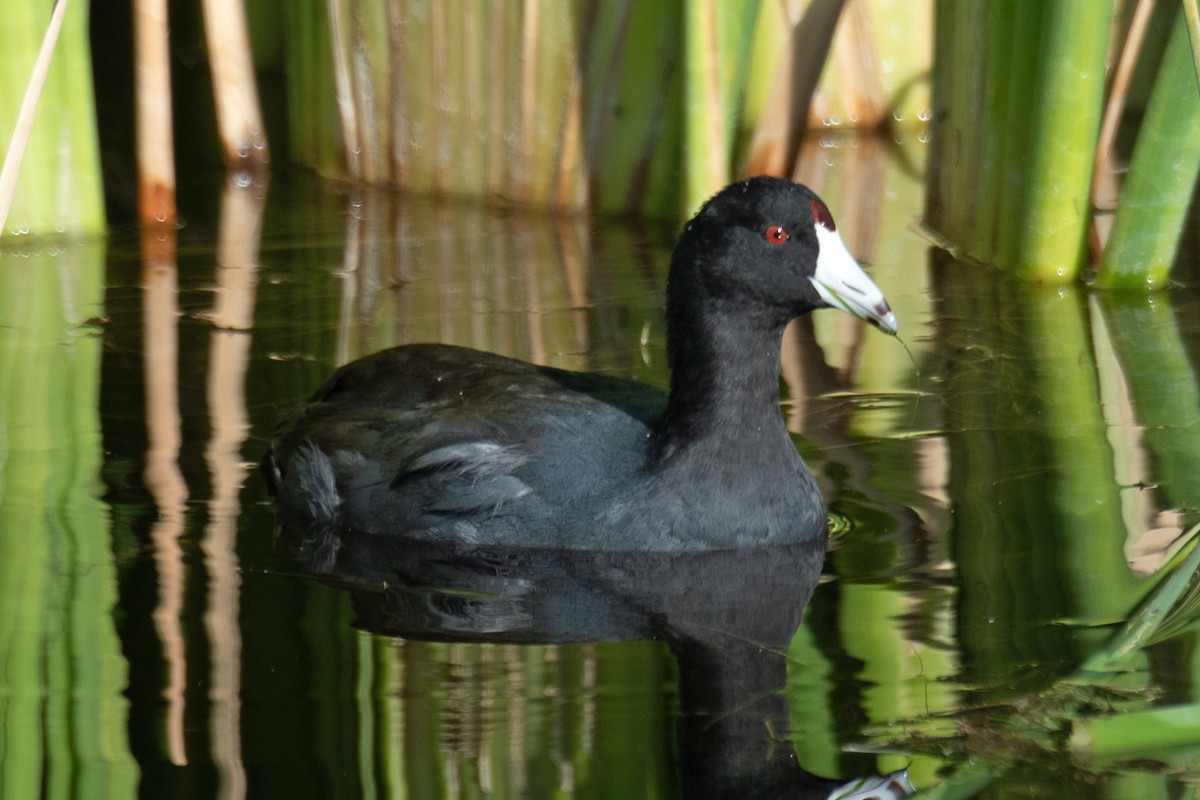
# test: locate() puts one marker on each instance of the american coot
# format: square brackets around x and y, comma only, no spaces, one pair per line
[435,442]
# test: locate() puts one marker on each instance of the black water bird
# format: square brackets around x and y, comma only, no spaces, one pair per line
[440,443]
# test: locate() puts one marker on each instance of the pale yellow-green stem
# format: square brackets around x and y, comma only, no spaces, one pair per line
[51,179]
[15,152]
[705,142]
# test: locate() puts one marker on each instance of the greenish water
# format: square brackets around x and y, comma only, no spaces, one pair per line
[990,495]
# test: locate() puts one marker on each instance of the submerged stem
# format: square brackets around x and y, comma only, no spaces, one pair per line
[1140,630]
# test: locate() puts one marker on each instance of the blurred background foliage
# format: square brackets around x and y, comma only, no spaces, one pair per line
[1065,136]
[609,106]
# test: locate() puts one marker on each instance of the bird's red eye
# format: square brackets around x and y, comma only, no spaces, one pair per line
[776,234]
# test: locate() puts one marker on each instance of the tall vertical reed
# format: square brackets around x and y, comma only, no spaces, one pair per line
[239,118]
[59,188]
[314,137]
[1019,90]
[1162,175]
[620,106]
[155,138]
[717,39]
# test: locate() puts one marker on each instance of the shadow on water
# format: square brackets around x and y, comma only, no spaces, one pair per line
[998,511]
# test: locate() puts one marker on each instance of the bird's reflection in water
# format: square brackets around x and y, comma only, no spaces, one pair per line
[727,616]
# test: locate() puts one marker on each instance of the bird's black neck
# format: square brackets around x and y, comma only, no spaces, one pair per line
[724,386]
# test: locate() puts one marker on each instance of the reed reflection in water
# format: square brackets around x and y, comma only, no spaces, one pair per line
[985,501]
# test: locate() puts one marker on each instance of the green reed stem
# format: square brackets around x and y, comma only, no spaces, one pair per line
[1019,92]
[312,110]
[1137,734]
[1162,176]
[59,187]
[1064,103]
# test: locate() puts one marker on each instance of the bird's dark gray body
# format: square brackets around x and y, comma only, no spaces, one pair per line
[386,448]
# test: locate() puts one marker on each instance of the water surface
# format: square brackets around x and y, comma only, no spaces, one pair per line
[1002,500]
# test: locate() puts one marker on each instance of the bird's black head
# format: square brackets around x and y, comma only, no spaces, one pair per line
[770,246]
